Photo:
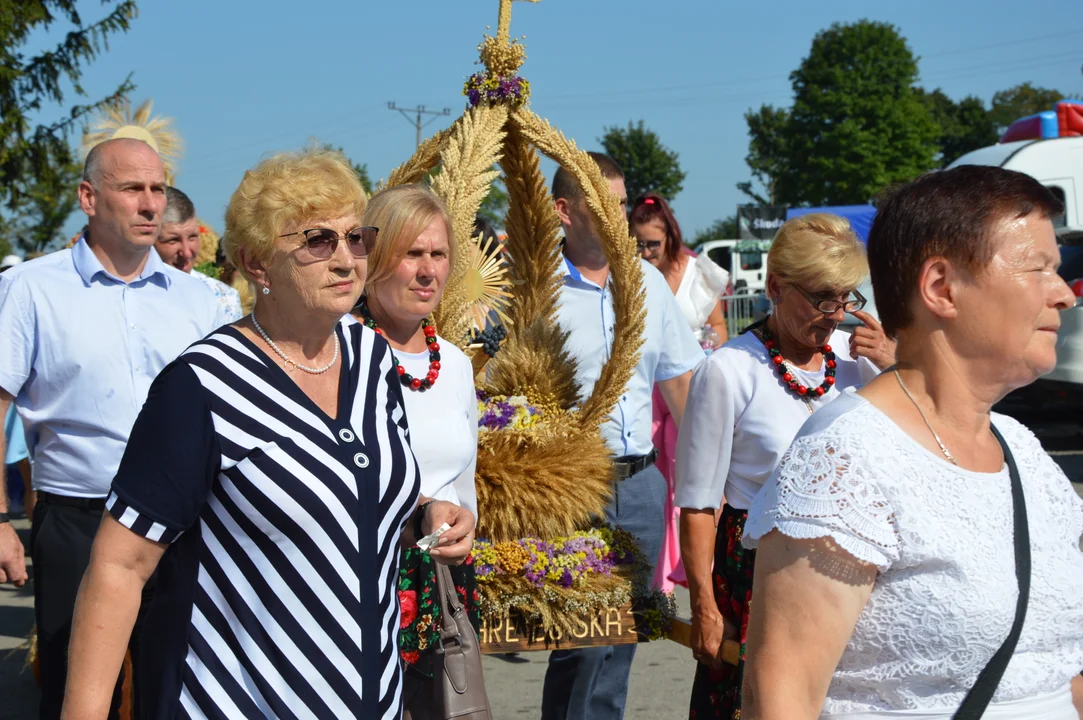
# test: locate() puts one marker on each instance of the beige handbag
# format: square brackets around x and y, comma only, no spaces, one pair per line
[457,683]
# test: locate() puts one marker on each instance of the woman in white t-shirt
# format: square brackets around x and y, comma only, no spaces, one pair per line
[886,576]
[408,270]
[697,283]
[745,405]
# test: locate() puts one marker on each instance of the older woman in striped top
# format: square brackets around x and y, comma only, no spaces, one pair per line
[269,479]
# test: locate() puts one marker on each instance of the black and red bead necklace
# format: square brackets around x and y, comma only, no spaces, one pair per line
[787,374]
[408,380]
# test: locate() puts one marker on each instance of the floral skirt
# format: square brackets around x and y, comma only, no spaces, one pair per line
[717,693]
[419,605]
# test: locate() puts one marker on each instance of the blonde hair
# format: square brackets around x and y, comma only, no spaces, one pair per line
[818,251]
[402,213]
[285,188]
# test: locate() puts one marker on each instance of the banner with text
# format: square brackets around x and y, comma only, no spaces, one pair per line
[759,222]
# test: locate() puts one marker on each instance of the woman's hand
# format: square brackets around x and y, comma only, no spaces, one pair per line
[709,630]
[455,544]
[871,342]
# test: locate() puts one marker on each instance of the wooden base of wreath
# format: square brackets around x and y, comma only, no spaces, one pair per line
[680,631]
[512,633]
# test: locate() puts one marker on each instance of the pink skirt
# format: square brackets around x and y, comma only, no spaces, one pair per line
[668,570]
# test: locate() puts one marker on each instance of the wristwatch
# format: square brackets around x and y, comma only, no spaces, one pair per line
[419,517]
[4,518]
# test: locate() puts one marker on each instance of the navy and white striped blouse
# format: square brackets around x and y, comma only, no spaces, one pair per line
[277,596]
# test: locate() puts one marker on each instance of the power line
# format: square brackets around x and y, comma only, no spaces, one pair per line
[640,92]
[1022,41]
[419,111]
[231,165]
[700,100]
[288,133]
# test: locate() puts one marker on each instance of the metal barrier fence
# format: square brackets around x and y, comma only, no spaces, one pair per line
[743,309]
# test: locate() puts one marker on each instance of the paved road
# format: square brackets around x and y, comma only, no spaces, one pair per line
[660,685]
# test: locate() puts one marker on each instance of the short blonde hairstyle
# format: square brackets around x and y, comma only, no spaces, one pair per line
[288,187]
[402,213]
[818,251]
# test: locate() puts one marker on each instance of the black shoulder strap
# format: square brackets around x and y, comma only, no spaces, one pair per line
[985,686]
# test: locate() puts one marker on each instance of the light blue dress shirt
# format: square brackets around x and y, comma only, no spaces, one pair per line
[78,351]
[585,311]
[14,438]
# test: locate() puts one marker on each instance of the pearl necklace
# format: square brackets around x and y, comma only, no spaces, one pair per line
[288,364]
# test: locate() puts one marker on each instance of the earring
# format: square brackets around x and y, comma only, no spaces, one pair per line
[266,290]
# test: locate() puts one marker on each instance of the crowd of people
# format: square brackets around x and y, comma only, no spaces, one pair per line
[236,499]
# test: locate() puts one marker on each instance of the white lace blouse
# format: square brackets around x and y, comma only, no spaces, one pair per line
[942,539]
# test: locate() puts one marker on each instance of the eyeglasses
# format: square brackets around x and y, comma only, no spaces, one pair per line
[323,242]
[651,245]
[829,306]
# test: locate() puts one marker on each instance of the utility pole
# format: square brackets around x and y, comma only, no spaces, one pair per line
[418,112]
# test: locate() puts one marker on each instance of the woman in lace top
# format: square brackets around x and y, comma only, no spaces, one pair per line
[745,410]
[885,578]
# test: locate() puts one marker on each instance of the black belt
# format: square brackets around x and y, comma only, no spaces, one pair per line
[627,466]
[97,504]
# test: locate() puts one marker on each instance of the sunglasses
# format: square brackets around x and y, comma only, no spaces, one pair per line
[829,306]
[323,242]
[651,245]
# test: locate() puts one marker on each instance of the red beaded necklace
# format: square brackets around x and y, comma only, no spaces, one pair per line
[408,380]
[788,375]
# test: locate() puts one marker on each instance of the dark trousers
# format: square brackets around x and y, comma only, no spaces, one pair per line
[592,683]
[60,541]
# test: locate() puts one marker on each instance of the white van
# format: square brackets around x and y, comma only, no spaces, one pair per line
[1056,163]
[747,267]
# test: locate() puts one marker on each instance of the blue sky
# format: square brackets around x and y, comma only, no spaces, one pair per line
[244,79]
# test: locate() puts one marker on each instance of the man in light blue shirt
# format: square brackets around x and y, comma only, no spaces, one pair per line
[592,683]
[83,332]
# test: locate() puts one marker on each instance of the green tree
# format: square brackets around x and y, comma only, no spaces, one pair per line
[721,229]
[36,159]
[767,151]
[858,123]
[649,166]
[1019,101]
[964,125]
[494,207]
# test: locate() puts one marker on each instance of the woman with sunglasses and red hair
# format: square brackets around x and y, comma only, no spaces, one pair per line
[697,284]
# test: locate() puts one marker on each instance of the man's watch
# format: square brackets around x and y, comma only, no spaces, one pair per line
[4,518]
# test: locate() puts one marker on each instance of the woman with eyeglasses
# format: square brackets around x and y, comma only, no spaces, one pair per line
[408,272]
[745,406]
[269,479]
[697,284]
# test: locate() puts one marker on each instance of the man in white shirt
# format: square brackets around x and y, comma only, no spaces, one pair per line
[592,683]
[83,333]
[178,245]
